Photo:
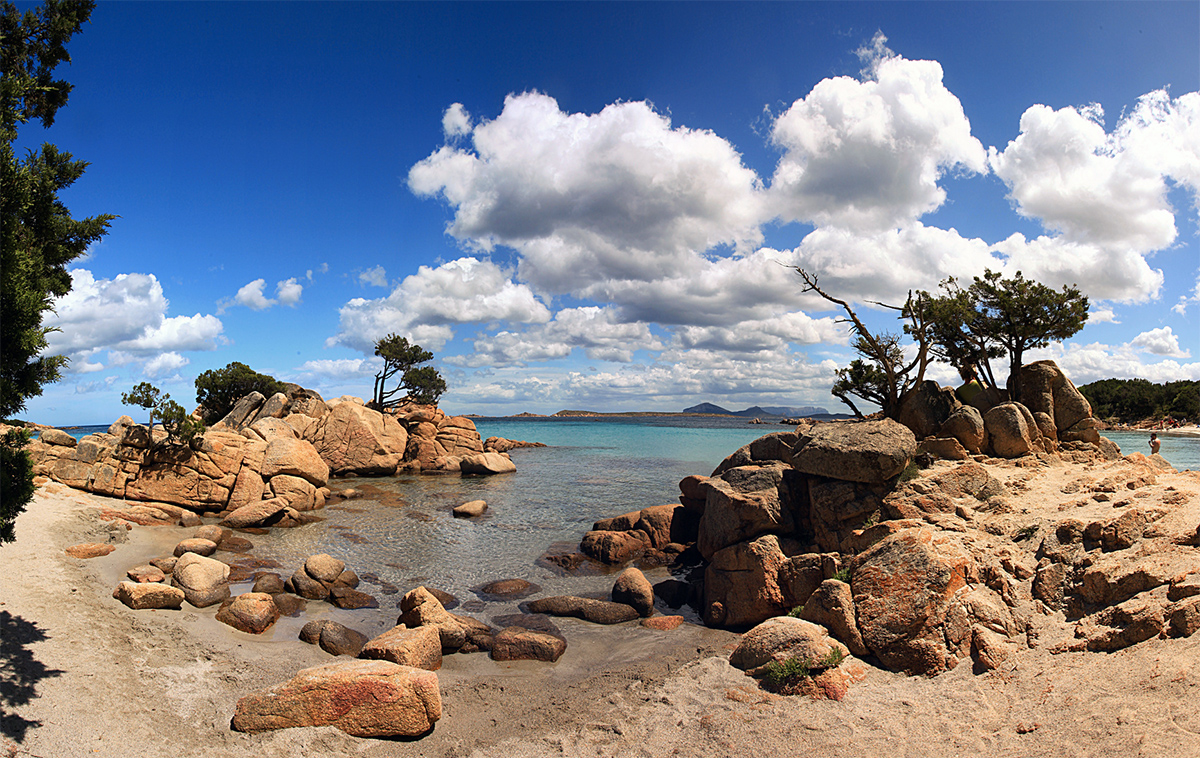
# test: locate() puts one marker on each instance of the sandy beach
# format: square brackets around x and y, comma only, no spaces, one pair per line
[84,675]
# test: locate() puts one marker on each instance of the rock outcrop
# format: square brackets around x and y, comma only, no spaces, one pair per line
[268,461]
[362,698]
[918,569]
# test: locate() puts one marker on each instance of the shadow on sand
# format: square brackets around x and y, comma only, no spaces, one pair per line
[20,673]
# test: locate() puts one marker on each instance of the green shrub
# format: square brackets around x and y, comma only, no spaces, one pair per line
[16,480]
[779,675]
[911,471]
[218,390]
[843,574]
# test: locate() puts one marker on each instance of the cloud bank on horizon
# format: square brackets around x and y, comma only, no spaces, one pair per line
[642,245]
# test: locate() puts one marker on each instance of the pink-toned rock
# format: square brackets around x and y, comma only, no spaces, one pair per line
[143,596]
[780,638]
[741,584]
[294,457]
[420,647]
[252,612]
[519,644]
[361,698]
[255,514]
[486,464]
[832,606]
[633,589]
[873,452]
[663,623]
[297,492]
[966,426]
[1012,431]
[1044,388]
[204,581]
[196,545]
[146,573]
[420,608]
[746,502]
[614,548]
[902,590]
[353,438]
[90,549]
[470,509]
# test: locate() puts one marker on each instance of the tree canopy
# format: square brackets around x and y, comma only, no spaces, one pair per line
[38,237]
[1132,400]
[995,316]
[421,384]
[218,390]
[966,328]
[180,427]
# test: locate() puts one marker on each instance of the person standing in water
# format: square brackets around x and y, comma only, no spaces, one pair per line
[1155,444]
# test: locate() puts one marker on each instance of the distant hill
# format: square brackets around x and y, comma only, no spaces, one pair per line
[771,410]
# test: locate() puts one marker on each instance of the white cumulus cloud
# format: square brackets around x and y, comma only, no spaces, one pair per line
[867,155]
[289,291]
[125,315]
[425,304]
[619,194]
[1161,341]
[251,295]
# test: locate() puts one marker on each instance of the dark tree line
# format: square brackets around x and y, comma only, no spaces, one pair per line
[1133,400]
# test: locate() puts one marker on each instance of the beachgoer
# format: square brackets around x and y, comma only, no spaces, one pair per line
[970,387]
[1154,443]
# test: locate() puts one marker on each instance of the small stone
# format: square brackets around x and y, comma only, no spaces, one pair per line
[143,574]
[663,623]
[141,596]
[507,589]
[420,647]
[517,644]
[470,509]
[253,612]
[633,589]
[196,545]
[90,550]
[324,567]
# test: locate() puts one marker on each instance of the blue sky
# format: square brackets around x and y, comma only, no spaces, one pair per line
[584,205]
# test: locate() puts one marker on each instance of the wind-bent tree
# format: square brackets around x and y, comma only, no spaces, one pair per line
[180,427]
[881,376]
[38,237]
[421,384]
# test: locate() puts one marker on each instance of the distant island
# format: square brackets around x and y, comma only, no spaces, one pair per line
[703,409]
[757,410]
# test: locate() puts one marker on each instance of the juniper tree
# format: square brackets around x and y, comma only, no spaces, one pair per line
[38,237]
[421,384]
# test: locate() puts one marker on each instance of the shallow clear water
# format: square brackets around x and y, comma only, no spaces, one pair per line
[1182,452]
[404,531]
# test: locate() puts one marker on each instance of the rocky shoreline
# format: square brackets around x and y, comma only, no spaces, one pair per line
[852,550]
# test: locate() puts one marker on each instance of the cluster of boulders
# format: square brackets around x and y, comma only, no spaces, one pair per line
[268,462]
[191,575]
[917,570]
[414,648]
[1048,412]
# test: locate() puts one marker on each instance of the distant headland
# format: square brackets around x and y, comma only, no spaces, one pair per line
[701,410]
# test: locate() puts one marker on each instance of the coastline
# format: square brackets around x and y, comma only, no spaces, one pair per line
[91,677]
